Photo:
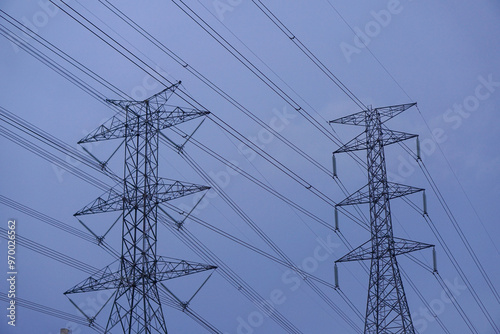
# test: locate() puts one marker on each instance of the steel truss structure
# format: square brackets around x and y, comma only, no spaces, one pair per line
[387,309]
[137,307]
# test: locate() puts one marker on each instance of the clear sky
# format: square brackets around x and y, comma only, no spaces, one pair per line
[443,55]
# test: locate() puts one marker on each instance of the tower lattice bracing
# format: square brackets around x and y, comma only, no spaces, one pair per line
[387,309]
[136,307]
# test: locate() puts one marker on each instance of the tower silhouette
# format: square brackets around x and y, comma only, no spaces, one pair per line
[387,309]
[136,306]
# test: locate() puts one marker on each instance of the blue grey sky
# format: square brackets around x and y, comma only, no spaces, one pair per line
[442,55]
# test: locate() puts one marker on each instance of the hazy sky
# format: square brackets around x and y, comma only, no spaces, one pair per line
[443,55]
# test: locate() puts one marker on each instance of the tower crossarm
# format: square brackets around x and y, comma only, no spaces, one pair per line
[160,98]
[173,269]
[392,137]
[111,200]
[177,115]
[400,247]
[388,137]
[398,190]
[106,279]
[362,196]
[152,113]
[170,189]
[113,128]
[353,119]
[386,113]
[114,200]
[163,117]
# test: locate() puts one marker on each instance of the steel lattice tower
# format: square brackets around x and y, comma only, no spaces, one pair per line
[387,309]
[136,305]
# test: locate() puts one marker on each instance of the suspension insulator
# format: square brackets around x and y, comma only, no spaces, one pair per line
[334,163]
[418,149]
[336,274]
[434,260]
[336,219]
[424,198]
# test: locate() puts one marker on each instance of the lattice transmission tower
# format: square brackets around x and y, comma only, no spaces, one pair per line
[136,306]
[387,309]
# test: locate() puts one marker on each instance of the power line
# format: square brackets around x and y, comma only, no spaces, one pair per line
[137,306]
[229,275]
[64,151]
[52,312]
[387,308]
[455,264]
[283,28]
[58,224]
[249,65]
[434,186]
[233,132]
[266,239]
[455,223]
